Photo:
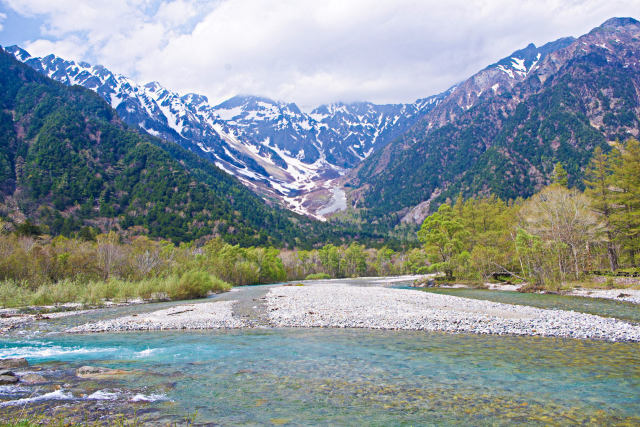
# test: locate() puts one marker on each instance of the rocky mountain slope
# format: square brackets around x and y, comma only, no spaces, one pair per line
[273,147]
[502,130]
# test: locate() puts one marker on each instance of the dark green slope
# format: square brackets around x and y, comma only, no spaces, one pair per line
[506,144]
[67,161]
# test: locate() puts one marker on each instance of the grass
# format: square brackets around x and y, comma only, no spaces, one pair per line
[190,285]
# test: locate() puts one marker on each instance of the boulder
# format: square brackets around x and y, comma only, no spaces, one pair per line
[33,379]
[8,379]
[12,363]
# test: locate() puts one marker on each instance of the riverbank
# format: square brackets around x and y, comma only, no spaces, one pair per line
[618,294]
[203,315]
[336,304]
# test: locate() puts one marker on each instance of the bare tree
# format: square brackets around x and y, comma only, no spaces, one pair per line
[561,215]
[110,253]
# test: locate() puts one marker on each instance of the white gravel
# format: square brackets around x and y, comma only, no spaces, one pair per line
[342,306]
[207,315]
[13,319]
[629,295]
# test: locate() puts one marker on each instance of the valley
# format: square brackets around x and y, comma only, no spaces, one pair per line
[467,257]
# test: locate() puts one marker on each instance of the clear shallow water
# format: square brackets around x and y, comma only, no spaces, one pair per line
[298,376]
[599,306]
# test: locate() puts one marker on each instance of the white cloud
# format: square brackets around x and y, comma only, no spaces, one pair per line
[307,51]
[3,16]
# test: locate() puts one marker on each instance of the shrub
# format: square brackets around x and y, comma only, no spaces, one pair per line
[318,276]
[195,284]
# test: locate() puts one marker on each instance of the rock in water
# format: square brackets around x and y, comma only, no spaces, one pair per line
[98,372]
[33,379]
[12,363]
[8,379]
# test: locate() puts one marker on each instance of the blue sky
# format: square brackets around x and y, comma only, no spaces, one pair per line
[305,51]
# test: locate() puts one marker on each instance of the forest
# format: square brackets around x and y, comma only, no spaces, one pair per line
[551,240]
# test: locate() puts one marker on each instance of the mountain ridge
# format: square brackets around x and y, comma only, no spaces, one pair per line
[500,132]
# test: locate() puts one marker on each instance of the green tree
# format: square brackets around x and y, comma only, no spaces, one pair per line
[599,188]
[355,260]
[560,176]
[330,259]
[443,236]
[626,177]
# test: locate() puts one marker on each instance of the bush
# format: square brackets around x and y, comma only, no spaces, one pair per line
[318,276]
[195,284]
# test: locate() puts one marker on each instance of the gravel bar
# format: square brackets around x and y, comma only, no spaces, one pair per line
[206,315]
[628,295]
[342,306]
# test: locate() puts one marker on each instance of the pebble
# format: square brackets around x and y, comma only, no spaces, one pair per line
[342,306]
[206,315]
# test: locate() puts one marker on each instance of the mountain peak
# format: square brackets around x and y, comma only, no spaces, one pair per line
[614,23]
[18,52]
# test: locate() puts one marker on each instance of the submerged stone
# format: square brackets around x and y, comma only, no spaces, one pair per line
[33,379]
[8,379]
[99,372]
[12,363]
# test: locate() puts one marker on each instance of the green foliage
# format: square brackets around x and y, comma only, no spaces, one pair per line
[317,276]
[560,175]
[443,236]
[196,284]
[471,240]
[600,190]
[625,163]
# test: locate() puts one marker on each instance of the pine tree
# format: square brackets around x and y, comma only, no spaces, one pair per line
[560,175]
[626,176]
[598,182]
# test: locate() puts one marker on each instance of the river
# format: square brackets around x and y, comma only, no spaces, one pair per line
[324,376]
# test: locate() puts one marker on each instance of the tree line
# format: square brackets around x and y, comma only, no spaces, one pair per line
[46,270]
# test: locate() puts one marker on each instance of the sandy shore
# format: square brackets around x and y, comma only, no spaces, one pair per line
[343,306]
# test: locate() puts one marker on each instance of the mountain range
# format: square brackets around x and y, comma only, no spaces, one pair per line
[272,147]
[500,131]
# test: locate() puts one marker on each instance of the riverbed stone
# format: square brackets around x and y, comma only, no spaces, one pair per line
[33,379]
[384,308]
[12,363]
[8,379]
[99,372]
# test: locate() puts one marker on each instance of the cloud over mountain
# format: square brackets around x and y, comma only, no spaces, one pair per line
[304,51]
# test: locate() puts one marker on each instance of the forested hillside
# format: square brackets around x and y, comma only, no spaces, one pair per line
[68,164]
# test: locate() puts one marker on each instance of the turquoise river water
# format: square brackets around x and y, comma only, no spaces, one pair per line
[328,377]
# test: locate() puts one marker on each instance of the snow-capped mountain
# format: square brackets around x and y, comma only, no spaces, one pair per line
[273,147]
[496,79]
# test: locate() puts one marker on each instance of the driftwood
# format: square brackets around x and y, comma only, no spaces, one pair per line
[505,270]
[179,312]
